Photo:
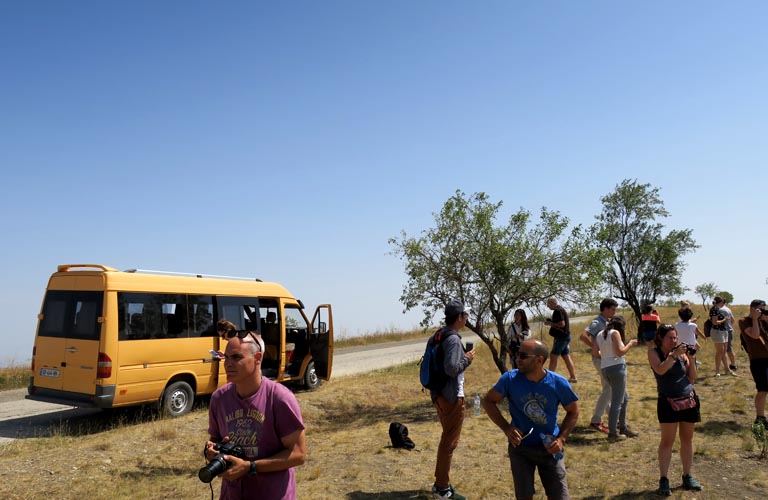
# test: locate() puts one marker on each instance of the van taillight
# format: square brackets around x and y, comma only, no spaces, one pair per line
[104,369]
[34,351]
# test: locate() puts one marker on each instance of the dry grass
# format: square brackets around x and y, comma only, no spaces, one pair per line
[130,455]
[14,376]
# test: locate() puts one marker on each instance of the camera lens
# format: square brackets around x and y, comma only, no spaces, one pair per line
[215,467]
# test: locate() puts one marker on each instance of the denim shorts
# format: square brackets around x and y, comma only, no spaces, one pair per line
[560,346]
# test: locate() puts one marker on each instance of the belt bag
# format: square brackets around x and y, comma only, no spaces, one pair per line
[682,403]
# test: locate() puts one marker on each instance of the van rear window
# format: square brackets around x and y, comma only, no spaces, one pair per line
[71,314]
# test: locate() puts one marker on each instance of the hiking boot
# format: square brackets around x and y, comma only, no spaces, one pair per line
[629,432]
[599,426]
[664,489]
[689,483]
[446,493]
[612,438]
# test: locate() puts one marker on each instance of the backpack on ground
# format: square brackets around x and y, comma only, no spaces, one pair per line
[431,372]
[398,434]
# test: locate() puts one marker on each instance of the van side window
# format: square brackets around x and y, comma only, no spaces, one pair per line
[163,315]
[243,312]
[72,314]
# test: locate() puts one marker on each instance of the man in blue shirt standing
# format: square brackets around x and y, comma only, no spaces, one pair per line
[534,396]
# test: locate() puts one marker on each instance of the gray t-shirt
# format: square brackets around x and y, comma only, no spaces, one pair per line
[598,325]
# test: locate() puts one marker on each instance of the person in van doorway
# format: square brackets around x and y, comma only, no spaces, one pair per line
[449,402]
[534,395]
[559,329]
[607,311]
[264,418]
[754,336]
[223,327]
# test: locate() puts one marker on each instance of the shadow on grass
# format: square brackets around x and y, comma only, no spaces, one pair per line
[388,495]
[719,427]
[370,413]
[152,470]
[631,495]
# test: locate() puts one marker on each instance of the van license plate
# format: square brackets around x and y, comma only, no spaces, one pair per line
[48,372]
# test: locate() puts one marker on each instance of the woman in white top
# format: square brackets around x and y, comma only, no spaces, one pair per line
[517,332]
[610,347]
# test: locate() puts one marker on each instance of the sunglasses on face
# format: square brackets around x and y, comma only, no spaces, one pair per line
[525,355]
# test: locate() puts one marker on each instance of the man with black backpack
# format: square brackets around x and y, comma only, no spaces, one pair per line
[449,401]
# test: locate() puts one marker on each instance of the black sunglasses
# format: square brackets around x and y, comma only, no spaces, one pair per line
[525,355]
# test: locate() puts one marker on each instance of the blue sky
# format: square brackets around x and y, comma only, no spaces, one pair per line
[290,140]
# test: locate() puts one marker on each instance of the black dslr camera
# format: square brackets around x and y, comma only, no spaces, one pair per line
[690,350]
[217,465]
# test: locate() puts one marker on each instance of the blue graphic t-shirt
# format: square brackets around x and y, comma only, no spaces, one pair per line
[535,404]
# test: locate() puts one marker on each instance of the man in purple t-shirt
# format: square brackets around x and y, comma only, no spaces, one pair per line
[264,418]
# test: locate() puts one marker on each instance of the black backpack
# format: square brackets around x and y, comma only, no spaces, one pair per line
[398,434]
[431,373]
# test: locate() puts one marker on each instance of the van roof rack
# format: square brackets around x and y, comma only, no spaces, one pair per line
[195,275]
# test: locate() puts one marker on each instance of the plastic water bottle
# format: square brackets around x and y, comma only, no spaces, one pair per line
[547,441]
[477,404]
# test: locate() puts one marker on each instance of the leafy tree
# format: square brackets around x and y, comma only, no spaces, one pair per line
[643,264]
[727,296]
[495,269]
[706,291]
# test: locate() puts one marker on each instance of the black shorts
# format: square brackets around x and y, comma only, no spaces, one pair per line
[759,369]
[667,415]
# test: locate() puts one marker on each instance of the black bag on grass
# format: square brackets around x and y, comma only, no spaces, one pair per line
[398,434]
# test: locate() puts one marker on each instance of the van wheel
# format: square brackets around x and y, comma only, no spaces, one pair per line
[311,380]
[178,399]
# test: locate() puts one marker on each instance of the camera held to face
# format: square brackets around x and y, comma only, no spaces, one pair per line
[217,465]
[689,350]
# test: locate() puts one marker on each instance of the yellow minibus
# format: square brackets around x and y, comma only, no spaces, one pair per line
[108,338]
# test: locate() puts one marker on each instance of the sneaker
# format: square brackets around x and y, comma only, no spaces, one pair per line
[733,367]
[612,438]
[629,432]
[731,372]
[446,493]
[689,483]
[761,418]
[599,426]
[664,489]
[717,374]
[573,380]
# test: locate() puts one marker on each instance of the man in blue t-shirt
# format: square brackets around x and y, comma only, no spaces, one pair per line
[534,396]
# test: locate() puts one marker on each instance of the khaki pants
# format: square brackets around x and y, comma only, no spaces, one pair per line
[451,419]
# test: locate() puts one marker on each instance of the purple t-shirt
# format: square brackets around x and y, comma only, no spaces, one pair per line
[257,423]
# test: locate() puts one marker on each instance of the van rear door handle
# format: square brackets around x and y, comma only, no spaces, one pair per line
[70,349]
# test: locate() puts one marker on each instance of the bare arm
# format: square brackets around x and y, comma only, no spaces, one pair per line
[618,346]
[595,347]
[490,405]
[586,338]
[569,423]
[662,366]
[294,453]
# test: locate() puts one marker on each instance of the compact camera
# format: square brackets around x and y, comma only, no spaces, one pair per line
[690,350]
[217,465]
[764,311]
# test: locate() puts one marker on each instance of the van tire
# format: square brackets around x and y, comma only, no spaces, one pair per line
[311,380]
[178,399]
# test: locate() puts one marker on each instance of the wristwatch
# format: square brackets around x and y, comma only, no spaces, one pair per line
[252,472]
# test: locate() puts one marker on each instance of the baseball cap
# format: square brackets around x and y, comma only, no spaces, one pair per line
[757,303]
[454,308]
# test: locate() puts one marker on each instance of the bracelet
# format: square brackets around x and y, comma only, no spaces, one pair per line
[252,471]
